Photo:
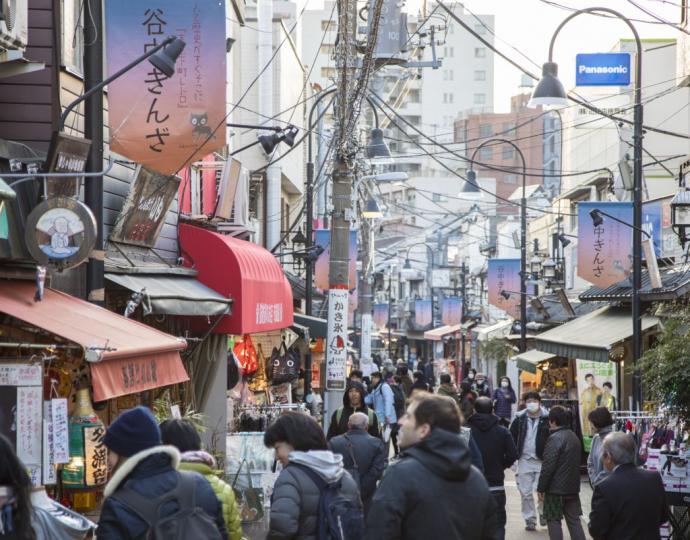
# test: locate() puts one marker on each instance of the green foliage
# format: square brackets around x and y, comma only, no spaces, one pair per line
[666,367]
[162,411]
[497,349]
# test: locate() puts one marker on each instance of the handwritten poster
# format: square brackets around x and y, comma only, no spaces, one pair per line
[29,424]
[20,374]
[336,348]
[49,468]
[95,456]
[60,421]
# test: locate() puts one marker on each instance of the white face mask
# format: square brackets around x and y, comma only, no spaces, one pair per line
[532,407]
[480,381]
[505,384]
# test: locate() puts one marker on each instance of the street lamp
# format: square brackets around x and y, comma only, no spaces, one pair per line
[523,235]
[680,215]
[549,269]
[549,91]
[535,265]
[371,209]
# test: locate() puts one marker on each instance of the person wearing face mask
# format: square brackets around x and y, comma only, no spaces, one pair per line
[530,429]
[631,503]
[503,399]
[468,381]
[481,386]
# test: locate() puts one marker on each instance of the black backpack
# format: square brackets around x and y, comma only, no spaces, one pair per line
[189,521]
[339,517]
[398,400]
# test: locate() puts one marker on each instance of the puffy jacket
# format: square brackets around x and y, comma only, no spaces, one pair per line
[432,491]
[295,499]
[495,444]
[339,426]
[381,398]
[503,402]
[203,463]
[560,468]
[151,473]
[518,429]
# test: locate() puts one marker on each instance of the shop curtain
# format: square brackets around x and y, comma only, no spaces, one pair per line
[202,364]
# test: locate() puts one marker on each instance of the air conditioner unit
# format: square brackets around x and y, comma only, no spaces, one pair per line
[14,24]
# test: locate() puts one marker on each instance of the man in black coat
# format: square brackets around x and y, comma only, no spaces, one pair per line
[353,401]
[559,480]
[498,453]
[432,491]
[364,456]
[143,466]
[630,504]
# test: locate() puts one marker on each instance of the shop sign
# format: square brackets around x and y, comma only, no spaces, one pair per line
[29,424]
[145,208]
[504,275]
[602,69]
[49,466]
[604,251]
[20,374]
[173,121]
[60,421]
[60,232]
[440,279]
[67,154]
[95,456]
[591,377]
[336,346]
[269,313]
[451,310]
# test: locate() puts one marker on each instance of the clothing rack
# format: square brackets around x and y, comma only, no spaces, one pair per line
[256,418]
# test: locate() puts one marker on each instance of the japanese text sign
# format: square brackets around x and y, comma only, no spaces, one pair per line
[504,275]
[451,310]
[604,251]
[95,456]
[380,315]
[336,342]
[166,123]
[423,315]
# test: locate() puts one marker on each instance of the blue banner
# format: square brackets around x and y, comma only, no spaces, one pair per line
[602,69]
[652,224]
[451,310]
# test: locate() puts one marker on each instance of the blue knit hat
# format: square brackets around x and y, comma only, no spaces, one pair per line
[132,432]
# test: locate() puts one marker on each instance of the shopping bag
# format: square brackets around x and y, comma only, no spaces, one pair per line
[259,381]
[250,500]
[246,355]
[285,365]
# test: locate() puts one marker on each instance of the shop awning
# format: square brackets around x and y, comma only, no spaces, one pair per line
[171,295]
[498,330]
[592,336]
[135,357]
[243,271]
[318,328]
[437,334]
[528,360]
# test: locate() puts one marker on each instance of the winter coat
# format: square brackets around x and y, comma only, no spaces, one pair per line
[432,491]
[151,473]
[204,464]
[406,383]
[419,385]
[381,398]
[295,499]
[482,390]
[496,446]
[595,468]
[560,467]
[450,391]
[369,453]
[338,427]
[518,429]
[503,402]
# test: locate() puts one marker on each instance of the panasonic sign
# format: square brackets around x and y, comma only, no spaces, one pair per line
[603,69]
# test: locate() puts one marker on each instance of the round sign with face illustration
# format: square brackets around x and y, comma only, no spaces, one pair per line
[60,232]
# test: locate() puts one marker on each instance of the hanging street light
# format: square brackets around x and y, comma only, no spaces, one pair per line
[372,210]
[680,215]
[549,269]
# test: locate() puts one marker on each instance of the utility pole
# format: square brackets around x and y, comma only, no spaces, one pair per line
[463,311]
[93,130]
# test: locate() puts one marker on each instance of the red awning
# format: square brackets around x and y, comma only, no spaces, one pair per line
[243,271]
[142,358]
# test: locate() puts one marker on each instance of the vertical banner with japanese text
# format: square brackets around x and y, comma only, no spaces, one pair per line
[380,315]
[451,310]
[165,123]
[504,275]
[423,314]
[604,251]
[336,346]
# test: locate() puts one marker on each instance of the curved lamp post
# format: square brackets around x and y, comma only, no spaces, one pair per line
[471,175]
[550,91]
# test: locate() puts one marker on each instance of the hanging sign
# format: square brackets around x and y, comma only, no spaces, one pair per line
[604,251]
[66,154]
[322,238]
[166,123]
[144,211]
[591,377]
[29,424]
[451,310]
[423,315]
[60,232]
[440,278]
[336,342]
[49,467]
[60,422]
[504,275]
[95,456]
[380,315]
[602,69]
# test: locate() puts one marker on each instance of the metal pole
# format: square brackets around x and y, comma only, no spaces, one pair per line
[365,288]
[390,305]
[93,130]
[463,289]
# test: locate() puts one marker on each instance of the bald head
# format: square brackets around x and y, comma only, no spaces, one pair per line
[358,420]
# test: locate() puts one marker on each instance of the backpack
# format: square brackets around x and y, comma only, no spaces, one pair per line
[398,400]
[339,517]
[189,521]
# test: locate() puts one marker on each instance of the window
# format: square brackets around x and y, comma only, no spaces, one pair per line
[447,74]
[447,97]
[451,52]
[480,75]
[439,197]
[510,178]
[508,152]
[328,25]
[480,29]
[328,73]
[486,153]
[72,36]
[480,52]
[480,99]
[413,96]
[327,49]
[485,130]
[508,128]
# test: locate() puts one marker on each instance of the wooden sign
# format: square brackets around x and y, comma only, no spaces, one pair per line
[95,456]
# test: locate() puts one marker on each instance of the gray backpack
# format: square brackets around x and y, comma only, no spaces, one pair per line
[189,521]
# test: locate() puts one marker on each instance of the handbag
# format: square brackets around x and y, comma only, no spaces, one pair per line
[250,500]
[285,365]
[246,355]
[354,472]
[259,382]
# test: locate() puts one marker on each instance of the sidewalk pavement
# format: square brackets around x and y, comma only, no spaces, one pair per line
[515,527]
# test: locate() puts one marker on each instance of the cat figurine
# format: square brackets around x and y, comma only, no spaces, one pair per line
[201,131]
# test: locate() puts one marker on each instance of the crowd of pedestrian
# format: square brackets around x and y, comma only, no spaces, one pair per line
[446,479]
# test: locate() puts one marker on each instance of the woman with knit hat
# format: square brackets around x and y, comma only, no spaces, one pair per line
[145,481]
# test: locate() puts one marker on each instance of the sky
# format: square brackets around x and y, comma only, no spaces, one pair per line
[527,25]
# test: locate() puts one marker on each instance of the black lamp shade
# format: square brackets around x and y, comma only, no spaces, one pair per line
[377,148]
[407,265]
[269,142]
[372,210]
[471,185]
[505,294]
[549,90]
[563,239]
[597,218]
[290,135]
[299,238]
[164,60]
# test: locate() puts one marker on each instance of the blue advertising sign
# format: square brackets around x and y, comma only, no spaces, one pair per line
[652,224]
[602,69]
